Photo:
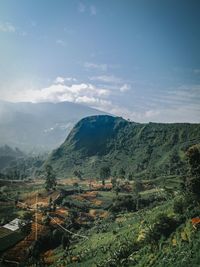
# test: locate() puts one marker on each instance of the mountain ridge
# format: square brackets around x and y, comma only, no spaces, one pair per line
[140,148]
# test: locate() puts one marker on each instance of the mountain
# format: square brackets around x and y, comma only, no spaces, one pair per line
[8,155]
[141,149]
[39,126]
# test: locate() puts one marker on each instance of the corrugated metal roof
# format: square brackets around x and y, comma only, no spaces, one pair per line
[13,225]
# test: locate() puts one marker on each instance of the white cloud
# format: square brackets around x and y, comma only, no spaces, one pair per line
[59,91]
[180,104]
[59,79]
[70,79]
[81,8]
[112,81]
[93,10]
[7,27]
[151,113]
[124,88]
[94,102]
[61,42]
[184,95]
[101,67]
[106,79]
[62,80]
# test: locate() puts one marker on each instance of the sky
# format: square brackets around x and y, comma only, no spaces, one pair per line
[139,59]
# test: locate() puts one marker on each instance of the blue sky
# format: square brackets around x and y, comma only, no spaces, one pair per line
[138,59]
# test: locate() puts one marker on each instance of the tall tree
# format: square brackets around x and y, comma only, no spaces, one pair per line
[104,174]
[50,182]
[193,180]
[25,223]
[78,174]
[122,173]
[137,187]
[113,181]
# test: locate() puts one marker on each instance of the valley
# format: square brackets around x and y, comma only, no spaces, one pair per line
[102,227]
[89,204]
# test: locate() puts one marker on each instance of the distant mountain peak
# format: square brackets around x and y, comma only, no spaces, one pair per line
[39,126]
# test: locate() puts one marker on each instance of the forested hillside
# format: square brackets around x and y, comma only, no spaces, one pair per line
[126,147]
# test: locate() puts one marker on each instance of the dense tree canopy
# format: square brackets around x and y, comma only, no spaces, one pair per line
[193,180]
[104,173]
[50,182]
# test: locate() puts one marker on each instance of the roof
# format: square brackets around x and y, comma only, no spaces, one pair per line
[13,225]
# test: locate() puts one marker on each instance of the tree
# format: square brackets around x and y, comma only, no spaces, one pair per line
[65,241]
[113,182]
[78,174]
[75,185]
[51,204]
[46,220]
[115,174]
[163,227]
[72,217]
[137,186]
[124,203]
[57,237]
[104,174]
[25,223]
[122,173]
[179,205]
[116,186]
[50,182]
[193,180]
[130,177]
[27,216]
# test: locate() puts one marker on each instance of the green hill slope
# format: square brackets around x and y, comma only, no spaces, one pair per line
[141,149]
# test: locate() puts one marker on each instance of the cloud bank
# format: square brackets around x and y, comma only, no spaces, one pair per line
[115,96]
[59,91]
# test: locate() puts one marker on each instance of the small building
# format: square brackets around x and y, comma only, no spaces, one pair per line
[13,225]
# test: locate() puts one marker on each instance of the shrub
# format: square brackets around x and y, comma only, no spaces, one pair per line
[179,205]
[124,203]
[163,227]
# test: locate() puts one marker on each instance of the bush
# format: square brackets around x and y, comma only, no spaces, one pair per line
[193,180]
[179,205]
[163,227]
[124,203]
[57,237]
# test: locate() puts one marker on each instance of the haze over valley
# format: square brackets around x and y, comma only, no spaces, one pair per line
[37,127]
